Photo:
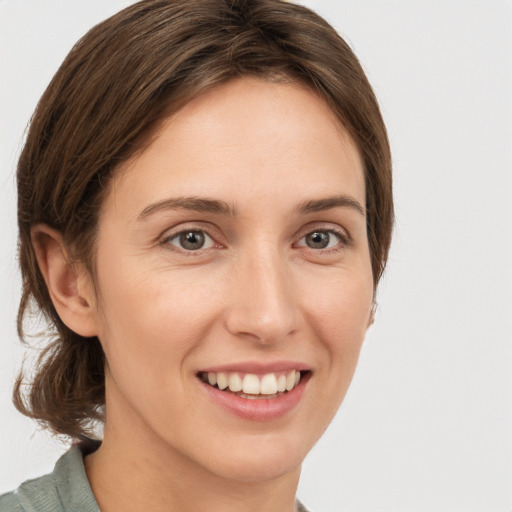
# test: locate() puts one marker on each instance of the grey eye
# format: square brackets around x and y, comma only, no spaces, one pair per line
[320,240]
[192,240]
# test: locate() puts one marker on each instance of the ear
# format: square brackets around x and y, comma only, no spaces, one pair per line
[69,284]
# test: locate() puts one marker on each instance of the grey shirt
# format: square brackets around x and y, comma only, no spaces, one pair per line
[65,490]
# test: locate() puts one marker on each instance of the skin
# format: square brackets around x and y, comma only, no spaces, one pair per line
[255,292]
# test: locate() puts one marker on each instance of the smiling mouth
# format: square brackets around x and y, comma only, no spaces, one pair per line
[252,386]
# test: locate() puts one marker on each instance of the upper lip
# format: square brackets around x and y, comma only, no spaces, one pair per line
[257,367]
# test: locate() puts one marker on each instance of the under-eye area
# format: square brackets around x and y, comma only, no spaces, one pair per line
[250,385]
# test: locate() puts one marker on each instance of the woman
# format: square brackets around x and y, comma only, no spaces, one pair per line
[205,211]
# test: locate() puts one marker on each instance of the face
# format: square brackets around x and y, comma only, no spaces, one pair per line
[235,282]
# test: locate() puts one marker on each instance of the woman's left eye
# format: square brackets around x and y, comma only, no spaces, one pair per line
[191,240]
[320,239]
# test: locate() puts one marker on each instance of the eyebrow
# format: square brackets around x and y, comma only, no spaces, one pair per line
[223,208]
[189,203]
[318,205]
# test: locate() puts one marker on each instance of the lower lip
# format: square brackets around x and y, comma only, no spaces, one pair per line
[258,409]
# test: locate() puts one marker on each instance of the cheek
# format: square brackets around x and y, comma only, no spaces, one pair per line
[152,317]
[340,308]
[339,314]
[149,326]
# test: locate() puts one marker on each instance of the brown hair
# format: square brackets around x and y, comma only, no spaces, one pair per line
[114,88]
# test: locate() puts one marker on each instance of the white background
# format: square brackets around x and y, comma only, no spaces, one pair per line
[427,423]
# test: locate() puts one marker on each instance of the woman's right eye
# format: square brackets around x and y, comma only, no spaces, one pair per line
[191,240]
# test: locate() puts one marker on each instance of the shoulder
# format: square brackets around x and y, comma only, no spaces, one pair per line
[10,503]
[39,495]
[65,489]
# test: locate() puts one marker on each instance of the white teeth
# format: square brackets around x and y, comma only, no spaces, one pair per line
[251,384]
[222,380]
[235,383]
[281,383]
[269,384]
[290,381]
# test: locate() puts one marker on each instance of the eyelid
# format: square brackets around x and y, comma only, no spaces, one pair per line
[184,227]
[210,244]
[345,240]
[325,226]
[171,233]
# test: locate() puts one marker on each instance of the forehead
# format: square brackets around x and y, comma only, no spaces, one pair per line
[246,136]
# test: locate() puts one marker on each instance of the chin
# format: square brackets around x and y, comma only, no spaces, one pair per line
[260,460]
[255,470]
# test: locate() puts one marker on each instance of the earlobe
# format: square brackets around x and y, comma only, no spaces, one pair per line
[68,283]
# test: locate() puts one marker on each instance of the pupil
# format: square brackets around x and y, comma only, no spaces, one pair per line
[318,240]
[192,240]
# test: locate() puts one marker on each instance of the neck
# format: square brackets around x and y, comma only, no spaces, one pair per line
[134,470]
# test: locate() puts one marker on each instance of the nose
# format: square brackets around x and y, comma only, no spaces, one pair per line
[262,306]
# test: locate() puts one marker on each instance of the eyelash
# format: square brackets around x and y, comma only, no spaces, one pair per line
[166,242]
[343,238]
